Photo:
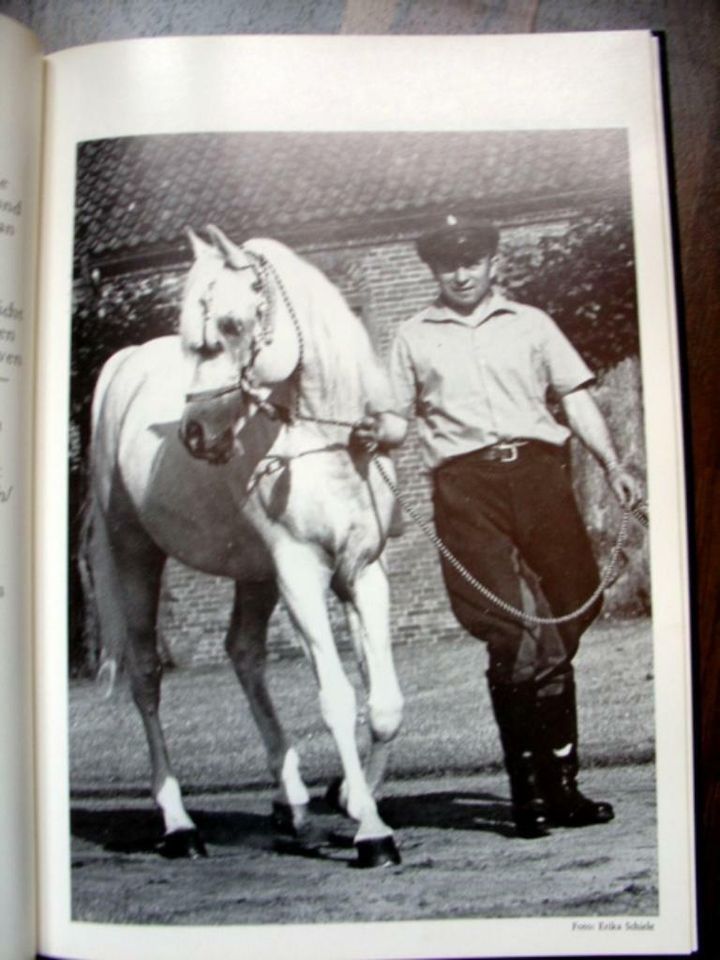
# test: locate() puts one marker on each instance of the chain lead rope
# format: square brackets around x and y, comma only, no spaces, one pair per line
[426,528]
[606,579]
[269,268]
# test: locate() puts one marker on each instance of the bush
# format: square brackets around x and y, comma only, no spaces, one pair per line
[585,279]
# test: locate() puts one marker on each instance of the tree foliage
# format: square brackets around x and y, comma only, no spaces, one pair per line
[120,312]
[585,279]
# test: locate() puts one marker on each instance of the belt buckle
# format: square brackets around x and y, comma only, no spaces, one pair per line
[508,452]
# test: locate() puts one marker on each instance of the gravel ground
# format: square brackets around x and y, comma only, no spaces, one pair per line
[446,798]
[460,858]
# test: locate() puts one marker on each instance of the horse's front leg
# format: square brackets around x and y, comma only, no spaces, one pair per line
[303,579]
[368,615]
[246,645]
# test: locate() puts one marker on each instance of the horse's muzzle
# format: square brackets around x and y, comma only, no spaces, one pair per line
[216,450]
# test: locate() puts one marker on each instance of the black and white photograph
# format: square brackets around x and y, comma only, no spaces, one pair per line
[360,593]
[346,560]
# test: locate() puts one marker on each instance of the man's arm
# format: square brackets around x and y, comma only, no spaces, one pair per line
[387,429]
[589,426]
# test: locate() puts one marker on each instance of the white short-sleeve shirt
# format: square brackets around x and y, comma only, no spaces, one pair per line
[476,380]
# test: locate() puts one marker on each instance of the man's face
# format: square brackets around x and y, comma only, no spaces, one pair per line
[464,283]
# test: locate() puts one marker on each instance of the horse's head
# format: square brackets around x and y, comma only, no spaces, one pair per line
[236,341]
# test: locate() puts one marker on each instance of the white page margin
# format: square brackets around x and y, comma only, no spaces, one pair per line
[549,81]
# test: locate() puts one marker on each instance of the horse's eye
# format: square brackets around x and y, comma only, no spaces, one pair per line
[256,286]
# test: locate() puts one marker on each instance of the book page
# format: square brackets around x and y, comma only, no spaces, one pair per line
[242,138]
[20,103]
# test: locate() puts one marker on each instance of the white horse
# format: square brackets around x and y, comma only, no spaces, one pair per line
[227,447]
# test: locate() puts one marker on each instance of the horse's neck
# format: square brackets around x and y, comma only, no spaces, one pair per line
[327,390]
[327,380]
[319,398]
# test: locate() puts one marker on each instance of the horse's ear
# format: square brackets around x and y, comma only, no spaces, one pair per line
[234,256]
[198,246]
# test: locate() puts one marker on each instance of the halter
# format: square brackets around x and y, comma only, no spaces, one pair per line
[245,384]
[265,272]
[264,269]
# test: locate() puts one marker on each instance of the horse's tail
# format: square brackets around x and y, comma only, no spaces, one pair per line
[104,642]
[105,632]
[91,630]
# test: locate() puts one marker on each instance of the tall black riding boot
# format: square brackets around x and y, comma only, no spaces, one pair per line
[558,763]
[514,707]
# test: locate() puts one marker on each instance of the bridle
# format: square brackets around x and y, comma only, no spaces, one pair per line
[269,282]
[246,386]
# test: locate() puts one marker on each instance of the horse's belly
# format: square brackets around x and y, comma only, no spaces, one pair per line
[208,540]
[143,474]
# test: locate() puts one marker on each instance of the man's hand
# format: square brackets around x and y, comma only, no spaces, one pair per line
[378,431]
[588,424]
[624,485]
[366,433]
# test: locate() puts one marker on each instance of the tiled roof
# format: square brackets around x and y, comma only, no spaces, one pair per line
[135,195]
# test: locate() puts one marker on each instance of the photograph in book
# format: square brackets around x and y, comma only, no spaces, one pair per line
[258,320]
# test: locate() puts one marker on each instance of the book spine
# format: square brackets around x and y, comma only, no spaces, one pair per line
[21,69]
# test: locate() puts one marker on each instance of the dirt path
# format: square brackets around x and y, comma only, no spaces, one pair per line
[445,796]
[460,859]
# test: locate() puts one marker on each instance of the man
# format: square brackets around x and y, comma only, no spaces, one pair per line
[479,372]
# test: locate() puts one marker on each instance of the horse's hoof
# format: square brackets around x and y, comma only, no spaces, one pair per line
[381,852]
[332,796]
[289,818]
[182,844]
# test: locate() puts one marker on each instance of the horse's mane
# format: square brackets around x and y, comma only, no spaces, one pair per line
[343,375]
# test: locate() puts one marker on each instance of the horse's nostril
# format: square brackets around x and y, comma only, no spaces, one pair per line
[204,446]
[192,436]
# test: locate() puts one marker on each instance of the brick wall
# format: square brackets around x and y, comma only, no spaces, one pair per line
[385,283]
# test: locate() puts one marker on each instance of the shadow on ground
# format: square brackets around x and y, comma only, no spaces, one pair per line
[448,810]
[128,830]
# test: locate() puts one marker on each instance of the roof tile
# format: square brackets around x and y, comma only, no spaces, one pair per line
[136,193]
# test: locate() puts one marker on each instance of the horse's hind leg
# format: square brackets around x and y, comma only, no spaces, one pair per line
[246,645]
[368,615]
[137,566]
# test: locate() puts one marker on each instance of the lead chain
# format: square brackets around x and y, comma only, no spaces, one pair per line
[270,267]
[605,580]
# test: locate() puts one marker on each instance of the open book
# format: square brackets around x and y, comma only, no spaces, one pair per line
[146,188]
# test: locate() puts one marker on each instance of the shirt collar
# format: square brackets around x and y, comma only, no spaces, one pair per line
[439,312]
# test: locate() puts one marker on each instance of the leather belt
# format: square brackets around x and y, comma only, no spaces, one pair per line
[507,451]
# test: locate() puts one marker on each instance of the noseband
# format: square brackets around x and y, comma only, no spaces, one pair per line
[246,384]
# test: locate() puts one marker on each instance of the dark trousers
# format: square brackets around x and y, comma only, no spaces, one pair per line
[517,529]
